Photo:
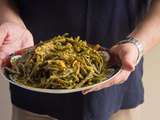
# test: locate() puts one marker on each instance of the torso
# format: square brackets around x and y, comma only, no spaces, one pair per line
[97,21]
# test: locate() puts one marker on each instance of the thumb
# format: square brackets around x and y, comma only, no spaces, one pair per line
[9,46]
[127,60]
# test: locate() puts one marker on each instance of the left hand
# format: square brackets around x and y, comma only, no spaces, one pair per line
[128,54]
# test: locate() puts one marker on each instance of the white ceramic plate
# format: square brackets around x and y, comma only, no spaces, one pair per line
[114,70]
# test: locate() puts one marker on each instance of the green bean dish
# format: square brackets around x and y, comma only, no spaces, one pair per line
[62,62]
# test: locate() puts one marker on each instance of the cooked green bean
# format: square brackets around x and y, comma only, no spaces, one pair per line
[60,63]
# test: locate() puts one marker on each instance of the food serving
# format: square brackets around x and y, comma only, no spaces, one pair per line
[60,63]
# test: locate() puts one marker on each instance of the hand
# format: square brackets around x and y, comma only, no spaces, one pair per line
[13,37]
[128,54]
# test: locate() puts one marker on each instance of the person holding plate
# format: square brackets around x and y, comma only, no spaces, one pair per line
[129,28]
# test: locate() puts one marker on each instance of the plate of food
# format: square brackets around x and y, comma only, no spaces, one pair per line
[61,65]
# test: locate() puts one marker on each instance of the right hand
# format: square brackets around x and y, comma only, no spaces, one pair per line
[13,37]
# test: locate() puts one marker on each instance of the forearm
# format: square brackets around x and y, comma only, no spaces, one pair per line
[148,31]
[8,14]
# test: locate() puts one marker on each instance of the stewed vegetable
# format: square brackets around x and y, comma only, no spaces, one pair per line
[60,63]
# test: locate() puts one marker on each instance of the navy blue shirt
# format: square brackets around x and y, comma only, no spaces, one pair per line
[97,21]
